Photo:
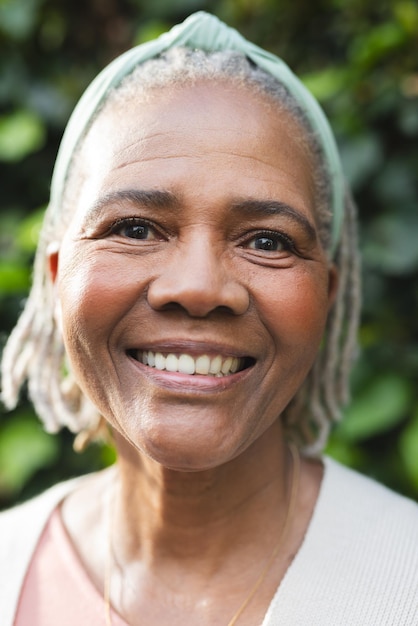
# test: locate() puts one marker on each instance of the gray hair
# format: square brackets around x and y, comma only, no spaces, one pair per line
[35,351]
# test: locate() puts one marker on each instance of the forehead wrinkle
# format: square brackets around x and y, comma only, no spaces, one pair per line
[150,159]
[143,136]
[201,156]
[274,207]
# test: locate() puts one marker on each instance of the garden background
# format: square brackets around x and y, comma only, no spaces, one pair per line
[360,59]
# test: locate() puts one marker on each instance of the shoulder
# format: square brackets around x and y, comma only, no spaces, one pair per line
[36,508]
[374,528]
[359,502]
[21,526]
[358,563]
[359,560]
[20,530]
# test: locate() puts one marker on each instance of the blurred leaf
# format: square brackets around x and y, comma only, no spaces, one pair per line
[343,451]
[18,17]
[20,134]
[391,244]
[24,448]
[408,116]
[52,30]
[9,222]
[408,445]
[378,408]
[107,455]
[326,83]
[407,15]
[28,231]
[370,47]
[361,157]
[13,278]
[150,30]
[396,183]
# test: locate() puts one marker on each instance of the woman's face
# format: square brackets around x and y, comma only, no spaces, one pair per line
[192,285]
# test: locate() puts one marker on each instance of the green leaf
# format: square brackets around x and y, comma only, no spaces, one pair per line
[371,46]
[24,448]
[407,15]
[13,278]
[408,445]
[21,133]
[326,83]
[343,451]
[149,30]
[381,406]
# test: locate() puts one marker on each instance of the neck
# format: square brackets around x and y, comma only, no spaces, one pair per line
[161,514]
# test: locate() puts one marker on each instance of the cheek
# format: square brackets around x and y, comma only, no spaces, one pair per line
[96,291]
[295,309]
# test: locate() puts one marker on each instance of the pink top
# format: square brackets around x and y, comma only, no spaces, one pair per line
[57,589]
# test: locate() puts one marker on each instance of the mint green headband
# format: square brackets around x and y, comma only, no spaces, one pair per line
[205,32]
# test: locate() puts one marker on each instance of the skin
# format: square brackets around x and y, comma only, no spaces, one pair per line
[219,186]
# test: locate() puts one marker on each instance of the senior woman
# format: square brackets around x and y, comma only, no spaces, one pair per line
[196,293]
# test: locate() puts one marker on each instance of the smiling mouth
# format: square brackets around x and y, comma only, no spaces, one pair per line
[203,365]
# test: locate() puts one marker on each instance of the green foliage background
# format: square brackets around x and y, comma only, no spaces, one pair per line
[359,57]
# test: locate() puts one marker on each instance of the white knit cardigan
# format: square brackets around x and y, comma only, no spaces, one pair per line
[357,566]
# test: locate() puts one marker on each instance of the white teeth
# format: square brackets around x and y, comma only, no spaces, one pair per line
[215,365]
[159,361]
[226,365]
[202,364]
[185,364]
[171,363]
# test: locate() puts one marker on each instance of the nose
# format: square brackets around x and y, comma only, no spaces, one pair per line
[199,280]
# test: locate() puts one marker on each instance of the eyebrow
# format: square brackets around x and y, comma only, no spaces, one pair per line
[151,198]
[275,207]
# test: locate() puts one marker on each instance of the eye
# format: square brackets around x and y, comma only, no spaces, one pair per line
[270,242]
[135,228]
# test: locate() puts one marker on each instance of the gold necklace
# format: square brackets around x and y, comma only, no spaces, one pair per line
[289,516]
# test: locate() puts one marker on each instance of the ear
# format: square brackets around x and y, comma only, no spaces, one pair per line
[333,282]
[52,255]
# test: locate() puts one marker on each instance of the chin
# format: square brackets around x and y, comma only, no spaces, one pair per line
[182,453]
[193,456]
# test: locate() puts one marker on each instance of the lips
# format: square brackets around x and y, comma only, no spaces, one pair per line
[205,365]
